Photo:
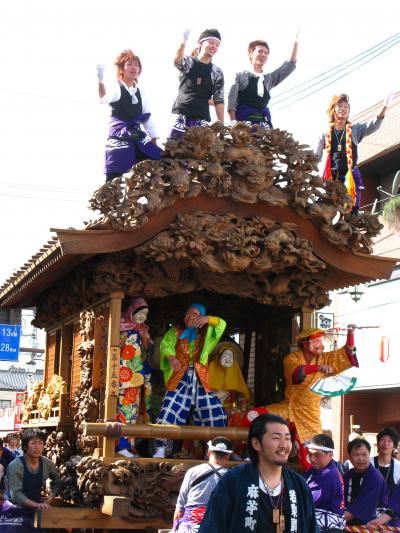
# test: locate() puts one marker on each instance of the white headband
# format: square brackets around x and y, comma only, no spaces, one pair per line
[317,447]
[219,447]
[209,37]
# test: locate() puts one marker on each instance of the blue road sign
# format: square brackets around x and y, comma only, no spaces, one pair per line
[10,335]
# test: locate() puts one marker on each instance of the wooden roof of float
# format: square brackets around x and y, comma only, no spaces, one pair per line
[233,211]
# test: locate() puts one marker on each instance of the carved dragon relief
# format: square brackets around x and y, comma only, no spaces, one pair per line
[245,164]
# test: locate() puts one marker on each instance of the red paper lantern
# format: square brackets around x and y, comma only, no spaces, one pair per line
[384,355]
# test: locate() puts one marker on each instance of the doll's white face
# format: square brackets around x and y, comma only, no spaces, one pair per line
[141,316]
[226,358]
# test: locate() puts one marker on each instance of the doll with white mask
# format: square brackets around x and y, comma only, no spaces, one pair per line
[226,378]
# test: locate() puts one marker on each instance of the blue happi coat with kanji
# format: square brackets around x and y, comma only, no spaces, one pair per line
[234,504]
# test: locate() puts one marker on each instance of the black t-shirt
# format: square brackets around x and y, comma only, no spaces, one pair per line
[195,90]
[387,472]
[264,518]
[338,157]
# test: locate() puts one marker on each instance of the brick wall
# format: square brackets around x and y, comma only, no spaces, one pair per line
[371,410]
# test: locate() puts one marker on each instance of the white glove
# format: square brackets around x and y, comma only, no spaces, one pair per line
[389,99]
[100,72]
[298,34]
[186,35]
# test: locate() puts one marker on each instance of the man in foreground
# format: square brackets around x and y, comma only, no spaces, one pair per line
[198,484]
[262,496]
[326,484]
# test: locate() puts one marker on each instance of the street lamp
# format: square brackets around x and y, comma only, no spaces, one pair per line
[356,292]
[30,368]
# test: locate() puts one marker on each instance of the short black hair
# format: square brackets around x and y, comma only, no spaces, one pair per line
[388,432]
[212,33]
[30,434]
[323,440]
[357,443]
[258,429]
[1,443]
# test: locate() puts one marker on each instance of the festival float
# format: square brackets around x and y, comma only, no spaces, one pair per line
[237,218]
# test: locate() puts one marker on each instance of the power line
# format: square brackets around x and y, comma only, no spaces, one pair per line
[369,50]
[335,74]
[333,81]
[41,198]
[48,96]
[35,187]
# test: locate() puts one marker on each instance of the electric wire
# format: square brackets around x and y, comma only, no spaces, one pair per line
[42,187]
[38,198]
[333,81]
[369,50]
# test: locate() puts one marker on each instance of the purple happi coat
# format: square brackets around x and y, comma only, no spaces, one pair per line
[373,494]
[125,139]
[245,113]
[327,488]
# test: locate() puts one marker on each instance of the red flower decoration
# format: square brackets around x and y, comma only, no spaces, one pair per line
[125,374]
[128,352]
[131,394]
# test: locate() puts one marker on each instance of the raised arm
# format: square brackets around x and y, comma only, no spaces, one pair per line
[293,57]
[386,105]
[181,50]
[100,77]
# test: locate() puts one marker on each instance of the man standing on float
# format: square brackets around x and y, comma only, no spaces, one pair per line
[184,352]
[199,82]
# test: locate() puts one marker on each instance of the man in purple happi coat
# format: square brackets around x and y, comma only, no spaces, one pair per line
[391,516]
[366,493]
[326,484]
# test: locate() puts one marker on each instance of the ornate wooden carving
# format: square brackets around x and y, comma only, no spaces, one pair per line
[86,401]
[246,164]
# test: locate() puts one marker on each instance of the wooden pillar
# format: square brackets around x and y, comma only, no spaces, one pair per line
[112,376]
[307,318]
[65,353]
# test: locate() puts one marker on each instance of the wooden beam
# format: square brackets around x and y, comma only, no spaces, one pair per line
[154,431]
[72,517]
[307,318]
[102,241]
[65,353]
[117,506]
[112,376]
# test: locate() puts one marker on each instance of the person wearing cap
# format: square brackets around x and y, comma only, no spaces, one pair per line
[134,372]
[249,95]
[199,82]
[387,441]
[198,484]
[184,352]
[302,369]
[326,484]
[365,490]
[132,133]
[339,145]
[262,495]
